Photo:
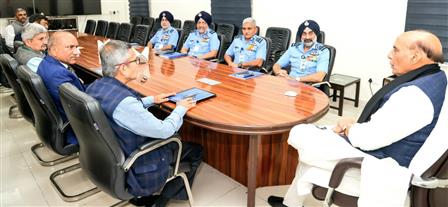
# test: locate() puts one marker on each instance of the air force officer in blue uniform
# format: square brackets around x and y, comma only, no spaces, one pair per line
[203,42]
[308,59]
[247,50]
[166,37]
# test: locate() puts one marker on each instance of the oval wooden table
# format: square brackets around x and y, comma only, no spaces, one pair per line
[244,129]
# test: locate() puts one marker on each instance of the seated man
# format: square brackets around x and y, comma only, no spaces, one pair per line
[13,31]
[35,38]
[203,42]
[54,71]
[134,125]
[247,50]
[166,38]
[389,126]
[40,19]
[308,59]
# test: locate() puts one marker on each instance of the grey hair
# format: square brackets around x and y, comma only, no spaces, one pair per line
[31,30]
[113,53]
[20,10]
[250,20]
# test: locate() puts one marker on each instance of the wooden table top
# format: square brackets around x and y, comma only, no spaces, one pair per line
[255,106]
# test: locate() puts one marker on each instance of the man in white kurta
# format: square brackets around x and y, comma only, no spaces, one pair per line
[405,111]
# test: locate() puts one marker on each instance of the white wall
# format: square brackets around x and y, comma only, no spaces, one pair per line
[181,9]
[362,32]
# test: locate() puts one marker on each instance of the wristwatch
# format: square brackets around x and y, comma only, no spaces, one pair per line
[240,65]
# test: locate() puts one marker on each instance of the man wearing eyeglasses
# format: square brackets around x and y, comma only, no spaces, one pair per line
[134,125]
[54,70]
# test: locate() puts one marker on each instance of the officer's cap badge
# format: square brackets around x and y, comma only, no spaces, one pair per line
[306,23]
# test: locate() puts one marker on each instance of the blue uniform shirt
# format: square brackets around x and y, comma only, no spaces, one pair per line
[201,44]
[165,37]
[316,59]
[245,51]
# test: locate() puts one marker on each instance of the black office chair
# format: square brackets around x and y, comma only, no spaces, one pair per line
[155,28]
[135,20]
[90,27]
[101,28]
[182,40]
[212,26]
[124,32]
[50,128]
[280,38]
[229,31]
[112,30]
[101,156]
[325,84]
[180,33]
[221,50]
[268,51]
[320,37]
[148,21]
[9,65]
[140,35]
[189,26]
[177,23]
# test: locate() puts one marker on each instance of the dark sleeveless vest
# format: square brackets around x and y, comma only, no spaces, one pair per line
[433,84]
[150,171]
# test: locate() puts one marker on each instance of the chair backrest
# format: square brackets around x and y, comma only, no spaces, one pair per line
[101,28]
[135,20]
[141,34]
[221,50]
[228,30]
[101,157]
[320,37]
[124,32]
[177,23]
[280,38]
[148,21]
[324,87]
[213,26]
[189,26]
[180,33]
[112,30]
[155,27]
[90,26]
[9,66]
[47,120]
[182,38]
[268,51]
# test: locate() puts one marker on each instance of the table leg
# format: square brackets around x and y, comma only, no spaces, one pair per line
[357,94]
[341,101]
[252,161]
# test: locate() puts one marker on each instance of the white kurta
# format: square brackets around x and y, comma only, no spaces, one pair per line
[406,111]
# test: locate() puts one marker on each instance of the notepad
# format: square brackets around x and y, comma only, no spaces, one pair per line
[173,55]
[247,74]
[194,93]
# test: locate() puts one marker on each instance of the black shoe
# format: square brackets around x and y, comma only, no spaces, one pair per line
[144,200]
[161,201]
[276,201]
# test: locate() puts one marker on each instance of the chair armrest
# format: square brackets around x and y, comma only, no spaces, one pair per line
[151,146]
[429,182]
[65,126]
[341,168]
[321,83]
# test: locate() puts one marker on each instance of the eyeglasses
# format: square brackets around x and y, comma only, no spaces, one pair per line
[140,60]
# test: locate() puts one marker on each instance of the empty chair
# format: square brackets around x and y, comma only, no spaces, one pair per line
[148,21]
[135,20]
[90,27]
[280,38]
[101,28]
[189,26]
[112,30]
[124,32]
[8,65]
[177,23]
[50,128]
[320,37]
[140,35]
[101,156]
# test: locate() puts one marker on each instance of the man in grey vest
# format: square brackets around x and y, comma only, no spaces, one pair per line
[35,39]
[12,31]
[394,124]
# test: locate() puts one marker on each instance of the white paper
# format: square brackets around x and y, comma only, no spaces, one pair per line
[208,81]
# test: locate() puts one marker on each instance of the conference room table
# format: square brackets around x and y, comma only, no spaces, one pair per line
[244,129]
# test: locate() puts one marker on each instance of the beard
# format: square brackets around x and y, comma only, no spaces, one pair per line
[308,42]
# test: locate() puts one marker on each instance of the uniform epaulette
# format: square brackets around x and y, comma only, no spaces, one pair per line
[212,32]
[258,39]
[321,47]
[296,44]
[171,30]
[238,36]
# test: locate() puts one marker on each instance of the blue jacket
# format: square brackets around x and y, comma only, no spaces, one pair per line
[53,74]
[150,171]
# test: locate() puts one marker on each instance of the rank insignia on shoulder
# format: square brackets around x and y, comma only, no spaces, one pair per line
[297,44]
[258,39]
[212,32]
